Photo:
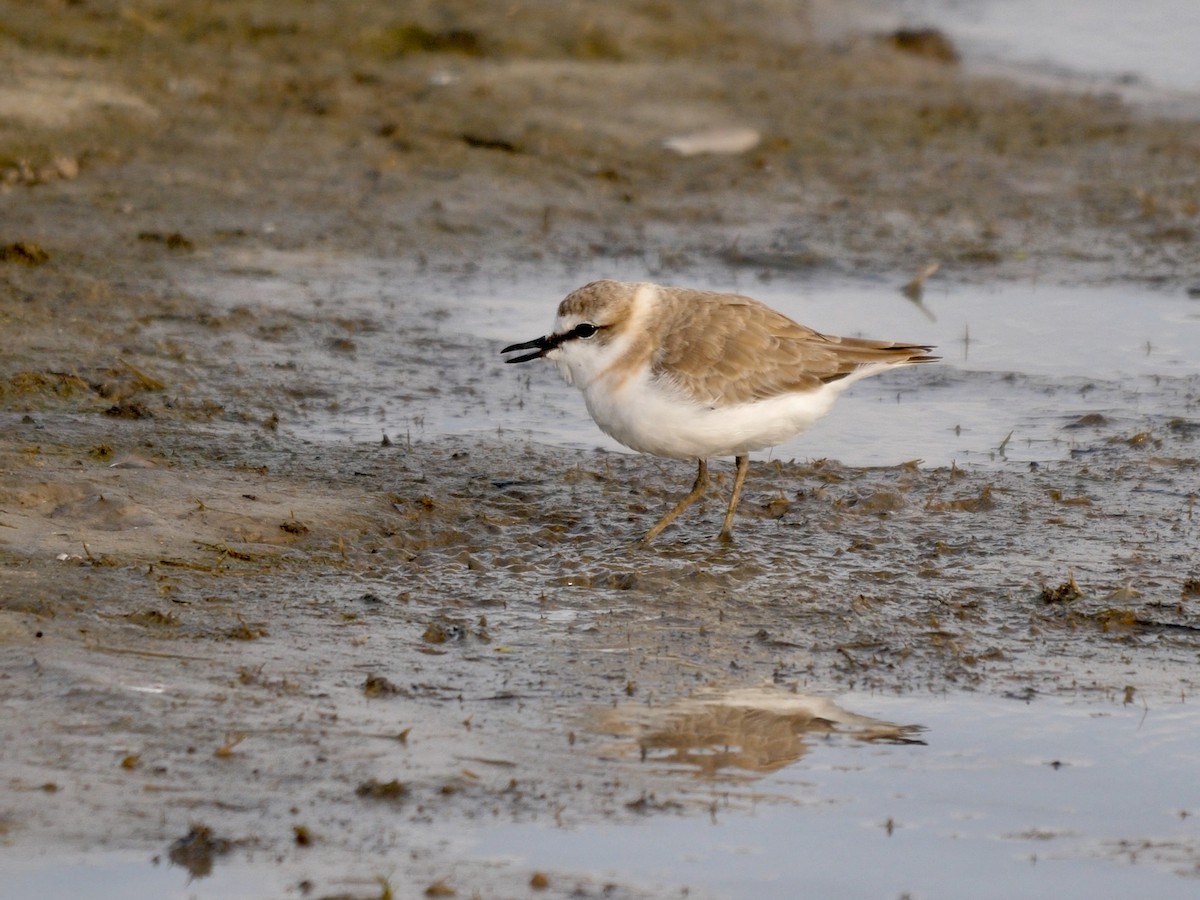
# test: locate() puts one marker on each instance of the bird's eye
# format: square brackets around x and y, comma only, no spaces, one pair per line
[585,330]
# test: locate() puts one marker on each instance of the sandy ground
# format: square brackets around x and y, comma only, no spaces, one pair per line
[204,620]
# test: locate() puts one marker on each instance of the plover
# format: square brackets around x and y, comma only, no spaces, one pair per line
[691,374]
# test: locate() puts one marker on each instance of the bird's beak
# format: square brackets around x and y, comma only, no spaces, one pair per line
[540,347]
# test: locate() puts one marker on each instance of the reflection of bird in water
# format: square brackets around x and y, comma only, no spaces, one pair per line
[915,290]
[752,730]
[722,737]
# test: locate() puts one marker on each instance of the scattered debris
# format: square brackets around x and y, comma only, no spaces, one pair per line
[648,803]
[173,240]
[489,143]
[153,618]
[129,409]
[379,686]
[197,850]
[929,43]
[226,749]
[720,141]
[1066,592]
[60,168]
[372,789]
[24,252]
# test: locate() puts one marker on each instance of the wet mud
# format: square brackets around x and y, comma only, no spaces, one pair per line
[224,638]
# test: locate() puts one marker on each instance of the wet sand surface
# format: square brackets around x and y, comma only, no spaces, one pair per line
[294,586]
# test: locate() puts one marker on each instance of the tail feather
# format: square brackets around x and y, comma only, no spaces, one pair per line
[861,358]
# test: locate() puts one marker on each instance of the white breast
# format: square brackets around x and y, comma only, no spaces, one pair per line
[647,416]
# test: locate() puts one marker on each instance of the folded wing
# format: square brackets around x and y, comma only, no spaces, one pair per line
[724,349]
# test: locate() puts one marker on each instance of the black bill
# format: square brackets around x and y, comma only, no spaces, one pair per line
[540,347]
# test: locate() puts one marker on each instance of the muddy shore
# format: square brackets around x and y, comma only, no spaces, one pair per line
[330,653]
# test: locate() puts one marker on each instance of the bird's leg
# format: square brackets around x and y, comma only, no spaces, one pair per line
[739,478]
[697,492]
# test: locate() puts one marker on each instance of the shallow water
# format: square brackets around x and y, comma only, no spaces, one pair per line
[1106,39]
[999,798]
[1006,799]
[893,577]
[120,876]
[1022,362]
[197,658]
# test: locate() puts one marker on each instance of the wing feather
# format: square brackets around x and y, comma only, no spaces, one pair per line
[724,349]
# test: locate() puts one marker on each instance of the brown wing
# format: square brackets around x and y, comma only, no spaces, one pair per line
[725,348]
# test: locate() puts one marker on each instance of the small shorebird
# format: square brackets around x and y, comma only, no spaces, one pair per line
[690,374]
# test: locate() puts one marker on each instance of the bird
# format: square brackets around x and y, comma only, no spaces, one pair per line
[692,374]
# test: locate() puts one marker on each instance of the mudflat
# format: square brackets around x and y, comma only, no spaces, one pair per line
[220,639]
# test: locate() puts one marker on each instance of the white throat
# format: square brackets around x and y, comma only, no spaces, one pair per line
[582,362]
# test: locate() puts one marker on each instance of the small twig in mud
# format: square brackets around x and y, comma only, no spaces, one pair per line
[1145,712]
[185,564]
[205,567]
[152,654]
[226,750]
[1004,443]
[246,632]
[147,382]
[225,550]
[854,663]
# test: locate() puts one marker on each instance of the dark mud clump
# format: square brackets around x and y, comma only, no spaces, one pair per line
[198,850]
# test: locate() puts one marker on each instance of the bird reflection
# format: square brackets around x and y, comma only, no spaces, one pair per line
[755,731]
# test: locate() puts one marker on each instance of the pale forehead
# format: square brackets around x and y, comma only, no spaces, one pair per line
[604,300]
